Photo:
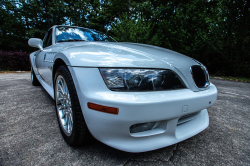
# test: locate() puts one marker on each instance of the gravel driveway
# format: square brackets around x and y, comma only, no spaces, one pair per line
[29,133]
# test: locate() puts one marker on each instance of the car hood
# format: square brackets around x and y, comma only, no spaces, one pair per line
[115,54]
[127,55]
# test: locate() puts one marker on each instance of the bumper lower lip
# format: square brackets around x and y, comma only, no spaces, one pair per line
[141,107]
[172,134]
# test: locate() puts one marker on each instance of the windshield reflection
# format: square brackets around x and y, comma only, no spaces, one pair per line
[69,34]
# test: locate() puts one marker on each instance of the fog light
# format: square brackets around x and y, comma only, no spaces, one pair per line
[142,127]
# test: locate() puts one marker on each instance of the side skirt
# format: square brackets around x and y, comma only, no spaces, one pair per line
[46,86]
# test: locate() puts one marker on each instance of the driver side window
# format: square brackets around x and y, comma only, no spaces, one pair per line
[47,41]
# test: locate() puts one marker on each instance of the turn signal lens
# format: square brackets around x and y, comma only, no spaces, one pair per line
[101,108]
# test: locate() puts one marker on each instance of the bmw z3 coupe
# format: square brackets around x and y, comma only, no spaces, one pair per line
[133,97]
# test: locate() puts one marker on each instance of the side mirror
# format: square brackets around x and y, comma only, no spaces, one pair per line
[35,42]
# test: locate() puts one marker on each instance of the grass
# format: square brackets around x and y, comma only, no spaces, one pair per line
[240,79]
[7,71]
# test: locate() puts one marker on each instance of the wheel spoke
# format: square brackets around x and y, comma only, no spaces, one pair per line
[64,106]
[68,124]
[60,107]
[63,114]
[60,100]
[66,89]
[66,120]
[60,93]
[64,86]
[63,122]
[71,120]
[60,89]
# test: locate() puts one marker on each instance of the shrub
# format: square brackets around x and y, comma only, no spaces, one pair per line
[14,60]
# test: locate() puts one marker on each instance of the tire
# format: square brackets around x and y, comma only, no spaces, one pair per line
[68,110]
[34,80]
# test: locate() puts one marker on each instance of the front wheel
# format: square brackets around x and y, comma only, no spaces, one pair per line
[69,114]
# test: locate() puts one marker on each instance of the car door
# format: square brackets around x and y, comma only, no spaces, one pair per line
[44,59]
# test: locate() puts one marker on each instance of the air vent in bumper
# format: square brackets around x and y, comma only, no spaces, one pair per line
[186,118]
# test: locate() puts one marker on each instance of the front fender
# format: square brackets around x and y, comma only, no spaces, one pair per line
[33,62]
[63,57]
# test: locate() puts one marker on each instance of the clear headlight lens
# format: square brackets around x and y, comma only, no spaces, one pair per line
[140,79]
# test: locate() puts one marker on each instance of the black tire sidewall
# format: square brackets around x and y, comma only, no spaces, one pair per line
[34,81]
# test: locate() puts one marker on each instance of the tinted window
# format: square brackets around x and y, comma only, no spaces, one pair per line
[50,39]
[47,41]
[66,34]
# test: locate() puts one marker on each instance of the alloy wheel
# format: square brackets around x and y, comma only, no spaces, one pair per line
[64,106]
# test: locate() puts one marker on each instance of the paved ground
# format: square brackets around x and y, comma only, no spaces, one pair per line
[29,133]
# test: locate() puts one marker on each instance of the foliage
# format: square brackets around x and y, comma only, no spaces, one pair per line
[13,60]
[135,31]
[215,32]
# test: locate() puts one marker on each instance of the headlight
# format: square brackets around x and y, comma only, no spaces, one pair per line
[140,79]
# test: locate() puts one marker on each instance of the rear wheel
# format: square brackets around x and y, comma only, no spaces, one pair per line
[34,80]
[68,109]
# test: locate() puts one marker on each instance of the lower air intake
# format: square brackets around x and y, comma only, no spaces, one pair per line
[187,118]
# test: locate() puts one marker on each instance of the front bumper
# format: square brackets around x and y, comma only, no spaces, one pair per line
[140,107]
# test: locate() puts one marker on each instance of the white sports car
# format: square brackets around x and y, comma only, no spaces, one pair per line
[133,97]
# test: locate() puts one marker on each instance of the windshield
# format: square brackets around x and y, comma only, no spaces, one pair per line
[68,34]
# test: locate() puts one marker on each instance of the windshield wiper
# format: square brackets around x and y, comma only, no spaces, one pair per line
[71,40]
